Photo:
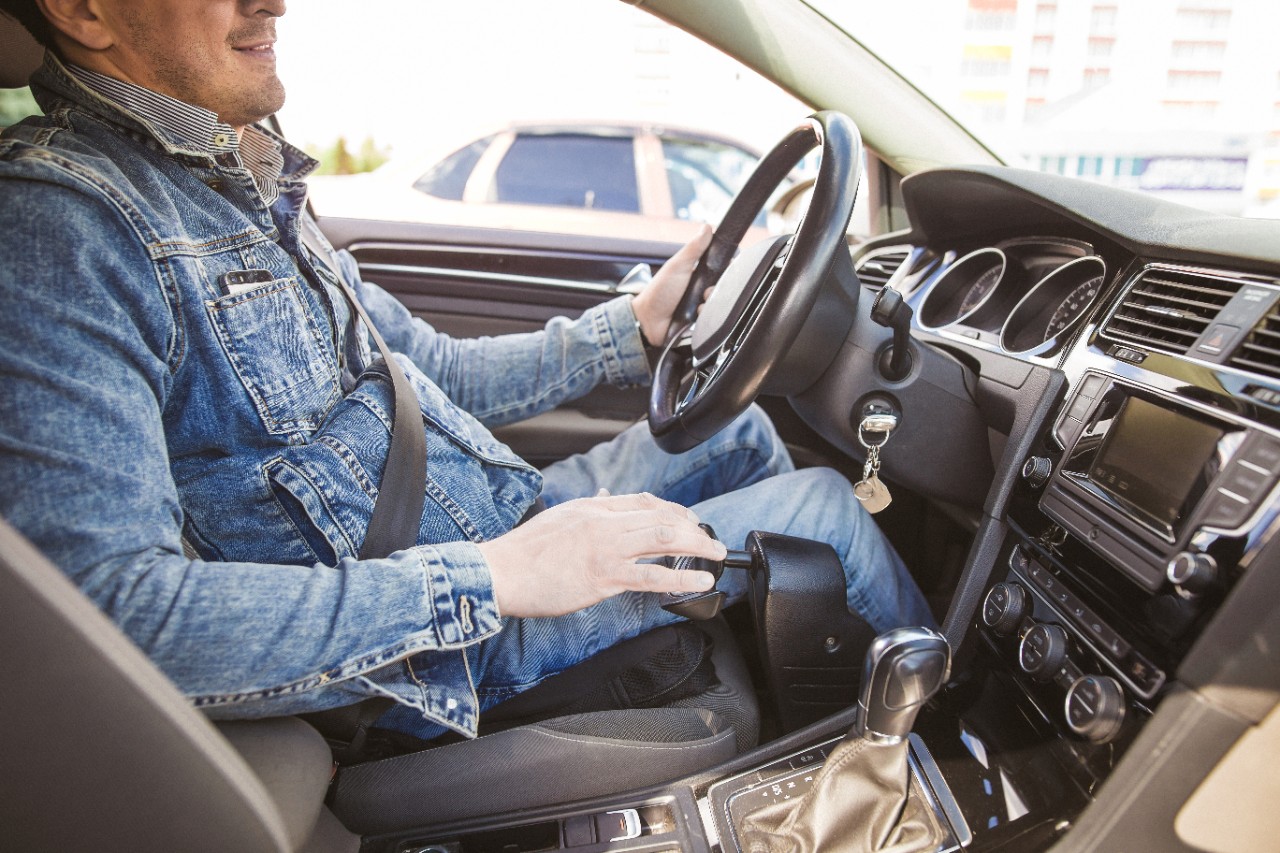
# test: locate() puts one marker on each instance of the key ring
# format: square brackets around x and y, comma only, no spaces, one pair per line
[882,424]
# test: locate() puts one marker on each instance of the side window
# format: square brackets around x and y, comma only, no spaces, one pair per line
[704,176]
[448,178]
[15,105]
[570,170]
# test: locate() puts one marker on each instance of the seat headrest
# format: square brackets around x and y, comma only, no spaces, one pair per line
[20,54]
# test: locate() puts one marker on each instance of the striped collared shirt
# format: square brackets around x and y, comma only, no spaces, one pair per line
[196,127]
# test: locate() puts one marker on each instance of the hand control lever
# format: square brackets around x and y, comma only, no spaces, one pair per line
[903,669]
[706,604]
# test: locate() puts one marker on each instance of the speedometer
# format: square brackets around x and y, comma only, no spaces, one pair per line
[980,290]
[1071,308]
[964,291]
[1050,309]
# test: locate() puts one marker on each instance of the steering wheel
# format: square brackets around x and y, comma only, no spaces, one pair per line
[711,370]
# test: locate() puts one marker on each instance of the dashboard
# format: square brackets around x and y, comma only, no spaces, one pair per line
[1106,367]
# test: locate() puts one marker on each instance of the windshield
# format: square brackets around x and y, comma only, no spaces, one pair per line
[1179,98]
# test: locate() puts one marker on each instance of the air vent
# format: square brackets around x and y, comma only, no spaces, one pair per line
[876,268]
[1260,352]
[1167,310]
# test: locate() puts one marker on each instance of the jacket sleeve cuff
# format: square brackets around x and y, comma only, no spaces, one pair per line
[625,360]
[460,594]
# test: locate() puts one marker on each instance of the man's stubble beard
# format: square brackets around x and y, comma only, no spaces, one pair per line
[237,105]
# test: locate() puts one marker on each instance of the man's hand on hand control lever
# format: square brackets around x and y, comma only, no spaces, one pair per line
[584,551]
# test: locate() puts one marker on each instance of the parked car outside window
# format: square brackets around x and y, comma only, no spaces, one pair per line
[515,178]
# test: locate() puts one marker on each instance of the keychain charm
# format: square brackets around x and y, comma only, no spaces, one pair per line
[871,490]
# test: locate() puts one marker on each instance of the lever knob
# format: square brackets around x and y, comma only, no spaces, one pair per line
[1036,471]
[698,606]
[1192,571]
[1043,651]
[1005,606]
[904,668]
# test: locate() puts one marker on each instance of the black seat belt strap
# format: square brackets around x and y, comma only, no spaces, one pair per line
[397,512]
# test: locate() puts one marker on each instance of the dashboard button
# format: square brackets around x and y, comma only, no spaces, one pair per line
[1227,510]
[1265,452]
[1080,407]
[1092,385]
[1144,675]
[1128,354]
[1217,338]
[1247,479]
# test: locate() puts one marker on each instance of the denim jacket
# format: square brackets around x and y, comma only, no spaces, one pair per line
[144,406]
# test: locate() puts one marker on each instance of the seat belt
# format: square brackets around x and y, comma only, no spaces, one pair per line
[397,511]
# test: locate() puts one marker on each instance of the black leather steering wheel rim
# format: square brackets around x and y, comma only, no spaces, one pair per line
[696,394]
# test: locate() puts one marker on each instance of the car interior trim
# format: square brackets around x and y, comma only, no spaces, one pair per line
[505,278]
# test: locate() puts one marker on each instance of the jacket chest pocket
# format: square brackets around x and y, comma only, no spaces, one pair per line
[279,354]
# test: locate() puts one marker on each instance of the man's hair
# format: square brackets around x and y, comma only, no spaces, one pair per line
[27,13]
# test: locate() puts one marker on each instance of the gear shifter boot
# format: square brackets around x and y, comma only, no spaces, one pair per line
[859,802]
[862,800]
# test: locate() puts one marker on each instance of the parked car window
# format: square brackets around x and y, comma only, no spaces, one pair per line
[448,178]
[704,175]
[570,170]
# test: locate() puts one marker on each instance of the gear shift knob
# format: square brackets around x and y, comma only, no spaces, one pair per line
[903,669]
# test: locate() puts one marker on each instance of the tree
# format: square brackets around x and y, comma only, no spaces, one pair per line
[15,105]
[337,159]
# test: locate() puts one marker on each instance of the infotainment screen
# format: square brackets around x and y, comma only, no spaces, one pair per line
[1156,460]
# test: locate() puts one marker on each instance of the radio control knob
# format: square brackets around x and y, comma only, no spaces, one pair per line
[1036,471]
[1095,707]
[1192,572]
[1043,651]
[1004,607]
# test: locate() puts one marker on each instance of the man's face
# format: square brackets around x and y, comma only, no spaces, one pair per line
[216,54]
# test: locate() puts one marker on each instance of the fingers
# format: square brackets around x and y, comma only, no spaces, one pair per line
[684,261]
[691,251]
[650,577]
[640,502]
[661,539]
[642,525]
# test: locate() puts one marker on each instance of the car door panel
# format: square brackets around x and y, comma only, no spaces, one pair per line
[469,282]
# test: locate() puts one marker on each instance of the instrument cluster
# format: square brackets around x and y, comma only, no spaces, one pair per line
[1023,296]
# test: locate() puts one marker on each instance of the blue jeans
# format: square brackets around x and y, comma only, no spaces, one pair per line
[741,480]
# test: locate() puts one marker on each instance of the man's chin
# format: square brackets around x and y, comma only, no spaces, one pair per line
[265,102]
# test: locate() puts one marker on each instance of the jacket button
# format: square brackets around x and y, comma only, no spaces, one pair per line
[214,184]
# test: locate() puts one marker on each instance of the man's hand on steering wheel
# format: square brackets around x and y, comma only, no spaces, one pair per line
[657,302]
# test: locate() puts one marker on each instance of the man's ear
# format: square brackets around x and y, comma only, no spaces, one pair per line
[78,21]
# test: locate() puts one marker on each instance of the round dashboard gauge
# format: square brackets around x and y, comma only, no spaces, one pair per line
[1053,305]
[979,291]
[1071,308]
[963,289]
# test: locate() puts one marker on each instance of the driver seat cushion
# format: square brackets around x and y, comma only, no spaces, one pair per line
[553,762]
[521,767]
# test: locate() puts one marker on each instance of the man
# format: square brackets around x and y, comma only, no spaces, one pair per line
[194,427]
